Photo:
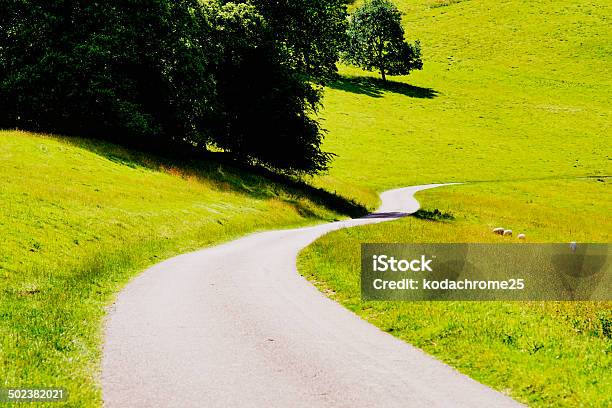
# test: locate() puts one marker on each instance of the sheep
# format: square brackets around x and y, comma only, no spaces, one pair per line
[507,233]
[521,236]
[498,231]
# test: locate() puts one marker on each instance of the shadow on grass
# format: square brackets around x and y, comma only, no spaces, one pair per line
[433,215]
[225,172]
[387,215]
[376,87]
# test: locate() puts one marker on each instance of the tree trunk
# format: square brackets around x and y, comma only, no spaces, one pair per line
[381,59]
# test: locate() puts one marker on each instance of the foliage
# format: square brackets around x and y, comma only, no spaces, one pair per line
[376,40]
[263,103]
[311,32]
[152,75]
[433,215]
[108,69]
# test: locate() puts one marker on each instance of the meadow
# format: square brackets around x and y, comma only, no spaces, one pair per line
[510,90]
[79,218]
[514,102]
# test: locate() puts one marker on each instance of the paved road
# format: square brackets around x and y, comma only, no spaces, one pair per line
[236,326]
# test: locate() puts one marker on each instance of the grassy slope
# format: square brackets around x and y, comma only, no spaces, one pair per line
[510,90]
[542,353]
[515,93]
[78,219]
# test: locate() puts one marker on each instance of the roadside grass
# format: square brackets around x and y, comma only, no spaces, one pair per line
[514,100]
[541,353]
[79,218]
[513,90]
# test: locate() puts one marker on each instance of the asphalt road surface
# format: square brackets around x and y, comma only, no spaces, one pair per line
[236,326]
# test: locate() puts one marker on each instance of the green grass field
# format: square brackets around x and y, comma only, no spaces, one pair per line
[510,90]
[514,100]
[78,219]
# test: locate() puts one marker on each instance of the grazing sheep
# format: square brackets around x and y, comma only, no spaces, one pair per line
[498,231]
[521,236]
[507,233]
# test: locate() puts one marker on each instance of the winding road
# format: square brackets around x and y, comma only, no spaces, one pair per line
[236,326]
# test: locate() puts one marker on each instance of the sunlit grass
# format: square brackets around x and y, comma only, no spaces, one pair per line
[542,353]
[510,90]
[78,219]
[514,101]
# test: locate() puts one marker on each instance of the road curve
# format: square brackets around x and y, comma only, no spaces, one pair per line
[236,326]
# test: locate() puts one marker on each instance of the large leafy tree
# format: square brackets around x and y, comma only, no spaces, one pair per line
[120,70]
[376,40]
[266,107]
[157,74]
[311,32]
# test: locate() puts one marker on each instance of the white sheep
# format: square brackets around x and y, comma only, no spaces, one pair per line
[521,236]
[507,233]
[498,231]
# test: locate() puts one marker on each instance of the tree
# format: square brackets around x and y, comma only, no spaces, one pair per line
[311,32]
[118,70]
[376,40]
[266,107]
[158,75]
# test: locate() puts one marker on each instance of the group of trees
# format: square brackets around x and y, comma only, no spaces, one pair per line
[161,74]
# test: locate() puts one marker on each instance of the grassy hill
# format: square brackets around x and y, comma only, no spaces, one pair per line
[79,218]
[510,90]
[514,100]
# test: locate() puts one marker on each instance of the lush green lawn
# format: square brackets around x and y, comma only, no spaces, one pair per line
[516,93]
[78,219]
[510,90]
[542,353]
[514,99]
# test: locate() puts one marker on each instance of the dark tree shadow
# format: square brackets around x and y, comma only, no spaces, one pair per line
[224,171]
[387,215]
[375,87]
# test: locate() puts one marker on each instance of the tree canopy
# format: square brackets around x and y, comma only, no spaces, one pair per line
[263,103]
[312,32]
[168,74]
[376,40]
